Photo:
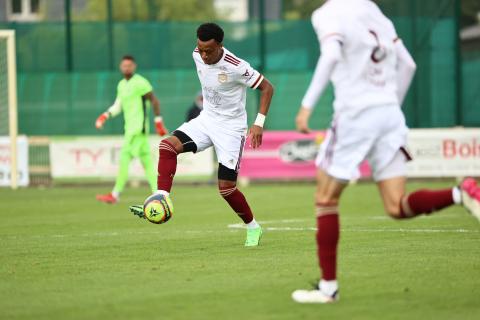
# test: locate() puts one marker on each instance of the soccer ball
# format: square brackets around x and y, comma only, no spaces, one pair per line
[158,208]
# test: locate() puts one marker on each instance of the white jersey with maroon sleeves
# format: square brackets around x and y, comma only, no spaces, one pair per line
[365,76]
[224,87]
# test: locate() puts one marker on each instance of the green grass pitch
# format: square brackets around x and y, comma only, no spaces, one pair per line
[65,256]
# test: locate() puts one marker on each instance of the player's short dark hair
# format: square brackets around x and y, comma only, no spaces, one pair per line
[208,31]
[128,57]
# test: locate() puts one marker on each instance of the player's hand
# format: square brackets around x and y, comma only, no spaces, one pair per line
[302,120]
[255,135]
[101,120]
[160,127]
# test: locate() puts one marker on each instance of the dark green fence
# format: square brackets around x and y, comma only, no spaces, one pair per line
[55,101]
[68,103]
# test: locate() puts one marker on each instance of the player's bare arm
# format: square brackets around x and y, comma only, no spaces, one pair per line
[159,125]
[154,101]
[301,121]
[256,131]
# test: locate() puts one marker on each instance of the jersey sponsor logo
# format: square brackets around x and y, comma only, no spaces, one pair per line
[222,77]
[375,74]
[246,74]
[379,53]
[212,96]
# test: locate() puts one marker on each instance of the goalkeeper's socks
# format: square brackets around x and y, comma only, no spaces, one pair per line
[167,165]
[238,203]
[426,202]
[116,195]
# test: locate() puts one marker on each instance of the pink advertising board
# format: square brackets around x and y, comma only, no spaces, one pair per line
[285,155]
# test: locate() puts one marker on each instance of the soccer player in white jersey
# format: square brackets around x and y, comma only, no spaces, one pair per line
[222,123]
[371,71]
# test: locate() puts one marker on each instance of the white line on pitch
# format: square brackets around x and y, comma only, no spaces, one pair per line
[399,230]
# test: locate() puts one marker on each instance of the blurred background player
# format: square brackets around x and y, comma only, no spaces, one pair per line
[134,96]
[196,107]
[371,71]
[222,122]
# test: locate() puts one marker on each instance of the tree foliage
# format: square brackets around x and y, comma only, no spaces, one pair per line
[150,10]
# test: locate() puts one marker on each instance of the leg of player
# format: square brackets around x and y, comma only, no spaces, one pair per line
[227,185]
[400,205]
[147,163]
[122,177]
[327,198]
[169,149]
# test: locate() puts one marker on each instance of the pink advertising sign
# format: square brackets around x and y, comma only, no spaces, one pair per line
[285,155]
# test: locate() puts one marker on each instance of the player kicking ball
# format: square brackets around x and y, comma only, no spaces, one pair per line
[134,96]
[371,71]
[222,123]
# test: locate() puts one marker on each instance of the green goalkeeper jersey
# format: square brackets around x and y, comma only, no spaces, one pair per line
[134,106]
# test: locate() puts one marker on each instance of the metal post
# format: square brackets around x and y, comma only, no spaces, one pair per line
[414,88]
[68,35]
[262,45]
[12,104]
[458,66]
[152,10]
[262,37]
[110,44]
[133,7]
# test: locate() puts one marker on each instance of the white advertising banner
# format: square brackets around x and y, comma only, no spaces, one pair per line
[22,161]
[99,157]
[444,153]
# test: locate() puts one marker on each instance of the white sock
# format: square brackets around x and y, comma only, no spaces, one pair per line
[165,193]
[457,195]
[253,224]
[116,194]
[328,287]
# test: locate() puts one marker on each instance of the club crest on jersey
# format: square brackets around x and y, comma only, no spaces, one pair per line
[222,77]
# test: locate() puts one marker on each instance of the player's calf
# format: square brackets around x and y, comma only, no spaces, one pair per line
[227,187]
[169,149]
[328,234]
[228,190]
[328,231]
[426,202]
[400,205]
[167,164]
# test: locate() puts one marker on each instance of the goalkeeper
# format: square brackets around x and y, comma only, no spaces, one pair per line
[134,96]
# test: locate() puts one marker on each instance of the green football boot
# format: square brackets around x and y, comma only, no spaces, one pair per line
[253,237]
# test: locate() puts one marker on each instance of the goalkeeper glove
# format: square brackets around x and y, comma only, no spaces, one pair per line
[160,127]
[101,120]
